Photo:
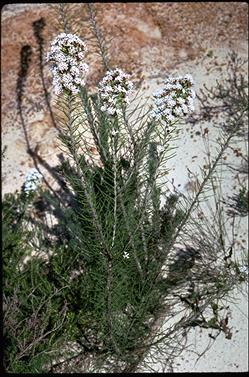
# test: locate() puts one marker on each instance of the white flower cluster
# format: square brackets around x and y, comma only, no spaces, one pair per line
[115,89]
[175,99]
[243,269]
[32,179]
[68,68]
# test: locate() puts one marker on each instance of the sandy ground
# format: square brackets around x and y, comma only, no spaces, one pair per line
[225,355]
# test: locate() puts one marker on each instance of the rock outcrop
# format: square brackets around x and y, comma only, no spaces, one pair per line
[145,39]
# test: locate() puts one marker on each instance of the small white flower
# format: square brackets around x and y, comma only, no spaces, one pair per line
[243,269]
[75,90]
[156,116]
[178,111]
[126,255]
[171,118]
[120,89]
[84,67]
[58,89]
[191,108]
[192,93]
[114,133]
[59,57]
[178,86]
[158,93]
[62,66]
[181,100]
[189,78]
[111,111]
[159,101]
[75,70]
[167,111]
[170,102]
[184,109]
[111,101]
[73,50]
[108,89]
[160,148]
[168,86]
[77,80]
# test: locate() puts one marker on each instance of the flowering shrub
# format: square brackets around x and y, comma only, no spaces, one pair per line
[175,99]
[116,258]
[67,56]
[115,90]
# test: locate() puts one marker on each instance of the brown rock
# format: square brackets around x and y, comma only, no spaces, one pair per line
[142,38]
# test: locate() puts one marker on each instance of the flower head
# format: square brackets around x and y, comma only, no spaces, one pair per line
[32,179]
[174,100]
[114,90]
[69,70]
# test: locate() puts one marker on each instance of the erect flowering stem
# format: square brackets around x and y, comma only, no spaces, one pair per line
[91,121]
[63,17]
[98,36]
[109,306]
[138,153]
[115,188]
[128,127]
[131,240]
[148,190]
[83,181]
[144,243]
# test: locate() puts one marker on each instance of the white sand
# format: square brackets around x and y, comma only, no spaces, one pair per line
[225,355]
